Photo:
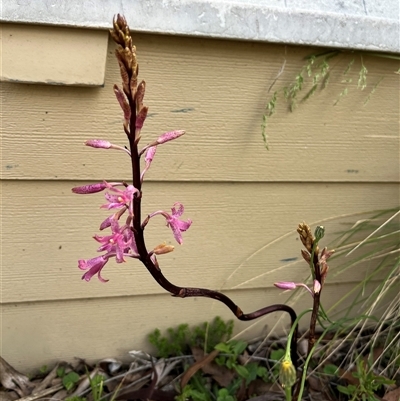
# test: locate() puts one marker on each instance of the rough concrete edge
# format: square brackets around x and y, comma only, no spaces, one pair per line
[86,84]
[219,19]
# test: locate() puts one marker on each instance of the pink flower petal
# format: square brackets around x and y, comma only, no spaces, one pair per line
[93,266]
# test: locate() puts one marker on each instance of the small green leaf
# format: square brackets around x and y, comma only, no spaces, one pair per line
[239,347]
[277,354]
[198,396]
[70,380]
[223,347]
[330,369]
[61,371]
[43,369]
[344,390]
[223,395]
[262,371]
[242,371]
[97,379]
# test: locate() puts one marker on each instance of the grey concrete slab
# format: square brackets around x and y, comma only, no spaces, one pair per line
[350,24]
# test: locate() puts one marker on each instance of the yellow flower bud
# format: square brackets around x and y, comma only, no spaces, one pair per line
[163,248]
[287,373]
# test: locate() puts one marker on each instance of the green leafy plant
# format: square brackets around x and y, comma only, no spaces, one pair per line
[229,357]
[276,357]
[189,393]
[97,386]
[209,334]
[246,373]
[70,380]
[174,343]
[223,395]
[369,383]
[43,369]
[178,341]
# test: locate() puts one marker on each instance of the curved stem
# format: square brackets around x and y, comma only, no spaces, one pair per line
[186,292]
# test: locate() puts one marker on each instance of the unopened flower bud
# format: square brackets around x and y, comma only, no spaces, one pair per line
[287,373]
[324,271]
[169,136]
[148,158]
[285,285]
[123,102]
[120,21]
[163,248]
[98,143]
[150,153]
[141,117]
[305,236]
[317,287]
[155,262]
[141,89]
[325,254]
[319,233]
[306,256]
[90,189]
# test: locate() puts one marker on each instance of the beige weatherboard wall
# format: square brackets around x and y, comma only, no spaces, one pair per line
[325,163]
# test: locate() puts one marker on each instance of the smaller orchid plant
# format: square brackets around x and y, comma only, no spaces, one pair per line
[319,269]
[127,227]
[317,262]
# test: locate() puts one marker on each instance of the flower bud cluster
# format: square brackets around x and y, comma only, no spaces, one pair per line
[320,269]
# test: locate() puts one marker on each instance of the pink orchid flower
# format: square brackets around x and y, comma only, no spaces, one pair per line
[93,266]
[115,243]
[173,221]
[122,198]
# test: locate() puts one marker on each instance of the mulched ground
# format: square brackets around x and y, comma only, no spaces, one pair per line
[157,379]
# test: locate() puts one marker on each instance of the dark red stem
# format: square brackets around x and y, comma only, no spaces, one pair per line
[316,303]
